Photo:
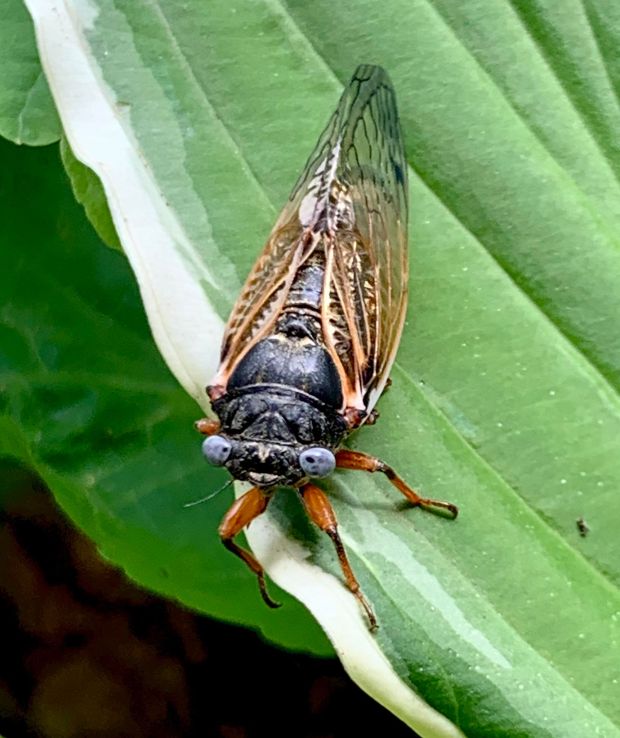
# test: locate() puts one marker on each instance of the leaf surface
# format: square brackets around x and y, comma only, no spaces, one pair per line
[27,112]
[505,395]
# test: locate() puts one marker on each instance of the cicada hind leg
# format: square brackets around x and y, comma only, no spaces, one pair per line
[346,459]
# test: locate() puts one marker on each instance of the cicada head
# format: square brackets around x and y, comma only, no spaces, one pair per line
[274,439]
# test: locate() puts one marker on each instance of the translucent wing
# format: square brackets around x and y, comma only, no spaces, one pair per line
[367,224]
[349,209]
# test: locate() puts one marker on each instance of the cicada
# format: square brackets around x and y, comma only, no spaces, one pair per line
[310,342]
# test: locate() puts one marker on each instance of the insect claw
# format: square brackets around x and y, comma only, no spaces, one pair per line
[438,506]
[265,595]
[373,625]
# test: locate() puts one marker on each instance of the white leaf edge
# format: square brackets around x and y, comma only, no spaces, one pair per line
[178,311]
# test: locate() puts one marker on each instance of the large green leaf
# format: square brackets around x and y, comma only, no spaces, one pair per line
[505,395]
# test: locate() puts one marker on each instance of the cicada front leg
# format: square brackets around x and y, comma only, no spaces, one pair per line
[207,426]
[242,512]
[322,515]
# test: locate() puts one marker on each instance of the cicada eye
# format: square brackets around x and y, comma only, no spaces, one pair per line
[216,450]
[317,462]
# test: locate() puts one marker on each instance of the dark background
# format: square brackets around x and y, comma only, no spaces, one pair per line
[85,652]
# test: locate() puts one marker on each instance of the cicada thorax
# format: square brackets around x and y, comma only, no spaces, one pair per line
[286,392]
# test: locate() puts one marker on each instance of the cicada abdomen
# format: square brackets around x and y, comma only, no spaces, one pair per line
[310,342]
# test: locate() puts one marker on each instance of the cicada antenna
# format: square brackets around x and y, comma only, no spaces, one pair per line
[211,496]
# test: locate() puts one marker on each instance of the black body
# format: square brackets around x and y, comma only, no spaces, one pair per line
[285,395]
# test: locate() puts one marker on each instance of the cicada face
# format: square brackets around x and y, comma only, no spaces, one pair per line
[269,465]
[263,464]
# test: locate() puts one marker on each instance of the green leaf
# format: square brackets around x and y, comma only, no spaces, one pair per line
[27,112]
[88,403]
[89,192]
[505,396]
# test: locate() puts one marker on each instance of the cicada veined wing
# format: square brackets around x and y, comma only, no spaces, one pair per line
[348,212]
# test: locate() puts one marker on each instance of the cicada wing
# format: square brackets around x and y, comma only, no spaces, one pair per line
[368,274]
[351,202]
[290,242]
[260,300]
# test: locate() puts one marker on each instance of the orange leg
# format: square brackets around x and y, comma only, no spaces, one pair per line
[346,459]
[242,513]
[207,426]
[322,514]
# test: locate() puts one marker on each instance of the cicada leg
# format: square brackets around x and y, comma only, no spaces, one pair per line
[346,459]
[322,514]
[242,512]
[207,426]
